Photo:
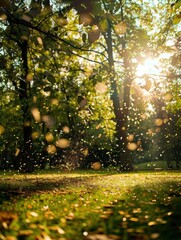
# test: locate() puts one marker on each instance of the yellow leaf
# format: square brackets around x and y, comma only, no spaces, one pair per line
[2,129]
[177,19]
[29,77]
[103,25]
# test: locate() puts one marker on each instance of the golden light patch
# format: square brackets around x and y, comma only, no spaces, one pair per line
[2,129]
[49,137]
[158,122]
[36,114]
[96,165]
[51,149]
[132,146]
[63,143]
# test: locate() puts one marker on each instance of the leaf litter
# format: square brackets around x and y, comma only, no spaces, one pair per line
[92,207]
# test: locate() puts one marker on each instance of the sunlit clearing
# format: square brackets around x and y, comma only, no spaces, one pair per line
[66,129]
[101,87]
[51,149]
[49,137]
[36,114]
[149,67]
[63,143]
[132,146]
[34,135]
[2,129]
[96,165]
[158,121]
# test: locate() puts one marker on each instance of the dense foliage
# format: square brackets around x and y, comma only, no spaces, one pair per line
[75,89]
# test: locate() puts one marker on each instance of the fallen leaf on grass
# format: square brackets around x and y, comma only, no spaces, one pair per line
[101,237]
[25,232]
[6,218]
[58,229]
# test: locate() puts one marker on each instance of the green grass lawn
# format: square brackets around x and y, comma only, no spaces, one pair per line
[91,205]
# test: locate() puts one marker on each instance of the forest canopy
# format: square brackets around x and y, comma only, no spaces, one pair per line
[89,83]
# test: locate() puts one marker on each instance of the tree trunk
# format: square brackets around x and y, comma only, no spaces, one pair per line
[26,160]
[121,115]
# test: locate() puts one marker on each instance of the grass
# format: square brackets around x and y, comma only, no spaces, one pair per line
[153,165]
[92,205]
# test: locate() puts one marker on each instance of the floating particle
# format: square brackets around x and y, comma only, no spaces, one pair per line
[66,129]
[168,97]
[63,143]
[39,40]
[96,165]
[101,87]
[132,146]
[34,135]
[36,114]
[29,77]
[51,149]
[130,137]
[49,137]
[158,122]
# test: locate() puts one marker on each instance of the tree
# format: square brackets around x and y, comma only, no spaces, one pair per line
[108,36]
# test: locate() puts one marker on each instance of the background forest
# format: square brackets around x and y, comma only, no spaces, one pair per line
[89,83]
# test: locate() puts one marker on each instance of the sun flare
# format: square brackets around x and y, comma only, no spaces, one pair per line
[151,66]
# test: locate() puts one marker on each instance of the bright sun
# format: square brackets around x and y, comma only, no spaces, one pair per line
[151,66]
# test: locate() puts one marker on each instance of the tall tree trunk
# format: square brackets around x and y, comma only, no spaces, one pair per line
[121,114]
[26,160]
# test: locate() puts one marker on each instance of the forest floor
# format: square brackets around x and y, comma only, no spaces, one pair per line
[90,205]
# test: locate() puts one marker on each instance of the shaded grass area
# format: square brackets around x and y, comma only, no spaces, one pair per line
[90,205]
[154,165]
